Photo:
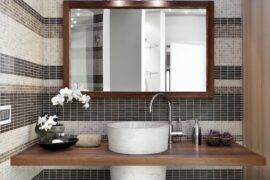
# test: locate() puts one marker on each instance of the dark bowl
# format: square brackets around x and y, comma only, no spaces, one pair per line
[68,141]
[213,141]
[227,141]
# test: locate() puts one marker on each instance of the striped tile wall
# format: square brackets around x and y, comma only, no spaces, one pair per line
[31,72]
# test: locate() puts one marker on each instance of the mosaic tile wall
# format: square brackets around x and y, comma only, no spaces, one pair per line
[184,174]
[31,73]
[21,84]
[223,113]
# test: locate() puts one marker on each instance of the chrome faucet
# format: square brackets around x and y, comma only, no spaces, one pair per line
[171,131]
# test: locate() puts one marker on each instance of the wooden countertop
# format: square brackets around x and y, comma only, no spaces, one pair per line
[178,154]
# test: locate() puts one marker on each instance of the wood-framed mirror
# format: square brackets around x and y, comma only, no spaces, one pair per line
[139,48]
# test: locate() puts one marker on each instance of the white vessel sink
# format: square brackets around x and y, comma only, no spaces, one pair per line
[138,137]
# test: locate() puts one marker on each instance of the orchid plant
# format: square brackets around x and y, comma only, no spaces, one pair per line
[66,95]
[69,95]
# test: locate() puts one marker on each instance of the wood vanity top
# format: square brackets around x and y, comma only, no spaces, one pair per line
[178,154]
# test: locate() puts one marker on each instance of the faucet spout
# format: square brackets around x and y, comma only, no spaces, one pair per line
[153,99]
[171,132]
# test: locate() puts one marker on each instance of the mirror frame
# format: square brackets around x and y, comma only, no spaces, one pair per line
[156,4]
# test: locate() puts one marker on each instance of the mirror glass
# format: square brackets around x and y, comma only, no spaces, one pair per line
[138,50]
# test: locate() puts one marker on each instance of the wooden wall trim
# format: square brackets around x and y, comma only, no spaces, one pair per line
[256,45]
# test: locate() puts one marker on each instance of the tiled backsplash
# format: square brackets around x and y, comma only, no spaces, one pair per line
[223,107]
[31,73]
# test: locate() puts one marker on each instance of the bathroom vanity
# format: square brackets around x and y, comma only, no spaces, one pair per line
[178,154]
[140,150]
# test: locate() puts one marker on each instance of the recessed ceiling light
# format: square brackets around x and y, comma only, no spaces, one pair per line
[119,3]
[157,2]
[78,14]
[186,11]
[74,22]
[72,19]
[71,26]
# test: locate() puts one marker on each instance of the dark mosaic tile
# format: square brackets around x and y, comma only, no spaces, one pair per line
[39,176]
[38,16]
[183,174]
[228,72]
[52,72]
[20,67]
[223,107]
[226,21]
[228,27]
[25,109]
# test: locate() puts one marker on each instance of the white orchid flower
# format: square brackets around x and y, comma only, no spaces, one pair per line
[70,94]
[65,92]
[54,100]
[61,99]
[77,94]
[49,123]
[58,100]
[51,120]
[42,120]
[86,105]
[84,99]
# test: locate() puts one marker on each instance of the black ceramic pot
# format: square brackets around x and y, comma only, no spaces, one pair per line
[68,141]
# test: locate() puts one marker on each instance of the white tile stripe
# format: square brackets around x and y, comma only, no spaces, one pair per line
[228,83]
[53,83]
[16,40]
[228,51]
[16,137]
[52,8]
[228,8]
[53,53]
[8,172]
[12,79]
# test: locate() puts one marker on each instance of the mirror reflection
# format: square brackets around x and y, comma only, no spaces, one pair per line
[138,50]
